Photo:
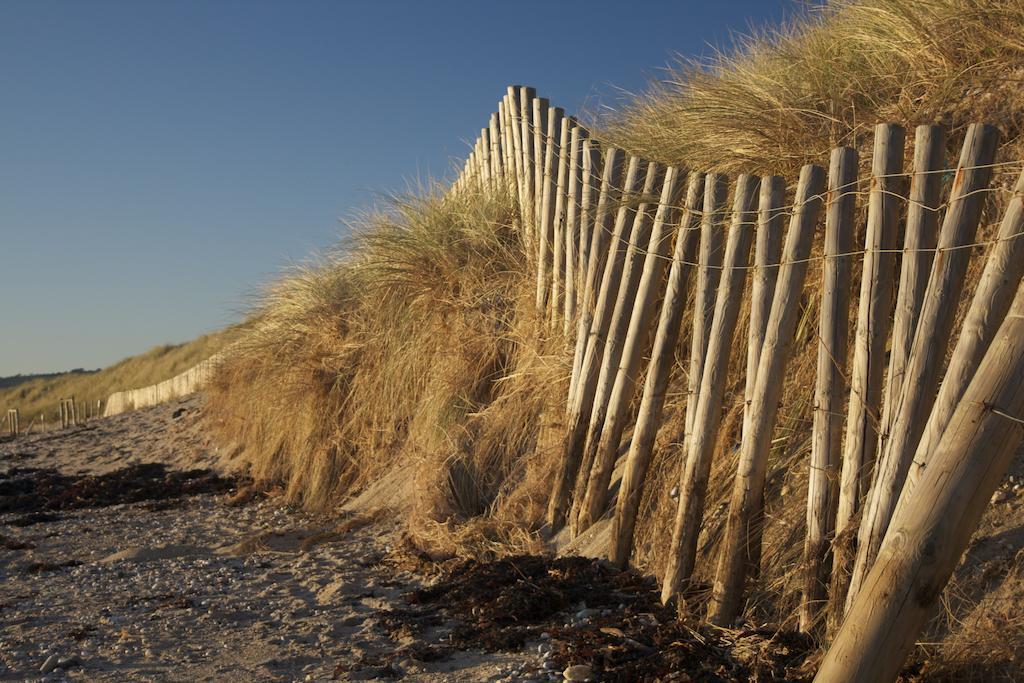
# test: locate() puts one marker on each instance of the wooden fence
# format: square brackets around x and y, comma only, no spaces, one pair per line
[906,449]
[186,383]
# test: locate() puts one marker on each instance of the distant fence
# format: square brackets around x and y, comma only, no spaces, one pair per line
[178,386]
[609,236]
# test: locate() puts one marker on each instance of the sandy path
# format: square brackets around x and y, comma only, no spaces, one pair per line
[194,589]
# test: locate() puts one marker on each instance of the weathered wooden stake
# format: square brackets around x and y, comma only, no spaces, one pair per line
[539,134]
[771,223]
[619,304]
[559,274]
[745,507]
[662,359]
[829,389]
[934,327]
[546,195]
[700,443]
[637,336]
[611,177]
[583,396]
[929,536]
[572,228]
[873,324]
[992,298]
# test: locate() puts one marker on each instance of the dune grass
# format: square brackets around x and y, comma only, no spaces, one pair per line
[33,396]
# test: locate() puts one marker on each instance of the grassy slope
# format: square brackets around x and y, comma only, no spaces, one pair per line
[159,363]
[417,347]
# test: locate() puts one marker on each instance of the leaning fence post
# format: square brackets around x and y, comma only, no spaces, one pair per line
[586,383]
[745,506]
[873,324]
[653,254]
[545,217]
[992,298]
[648,420]
[930,342]
[620,303]
[609,194]
[928,537]
[826,432]
[559,273]
[707,414]
[572,228]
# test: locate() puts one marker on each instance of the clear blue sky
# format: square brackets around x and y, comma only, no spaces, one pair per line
[159,161]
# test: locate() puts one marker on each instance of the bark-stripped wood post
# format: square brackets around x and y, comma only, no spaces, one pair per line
[63,417]
[866,373]
[548,155]
[829,390]
[525,139]
[559,274]
[635,345]
[918,242]
[700,443]
[709,261]
[572,227]
[617,307]
[495,139]
[593,338]
[652,403]
[73,405]
[930,534]
[992,298]
[538,132]
[745,506]
[608,196]
[771,223]
[590,189]
[484,156]
[934,327]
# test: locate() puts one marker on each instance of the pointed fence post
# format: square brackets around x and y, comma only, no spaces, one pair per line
[707,415]
[666,338]
[745,506]
[549,153]
[931,337]
[866,373]
[833,327]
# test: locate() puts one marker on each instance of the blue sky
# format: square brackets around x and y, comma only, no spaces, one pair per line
[159,161]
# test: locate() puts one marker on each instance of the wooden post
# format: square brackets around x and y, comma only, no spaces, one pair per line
[522,140]
[599,234]
[572,227]
[930,339]
[745,507]
[930,534]
[700,443]
[868,366]
[662,359]
[546,197]
[771,222]
[992,298]
[652,256]
[590,186]
[495,150]
[538,132]
[583,398]
[559,273]
[74,411]
[709,261]
[622,309]
[829,393]
[63,415]
[918,243]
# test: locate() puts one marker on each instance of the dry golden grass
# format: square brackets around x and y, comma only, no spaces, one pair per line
[34,396]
